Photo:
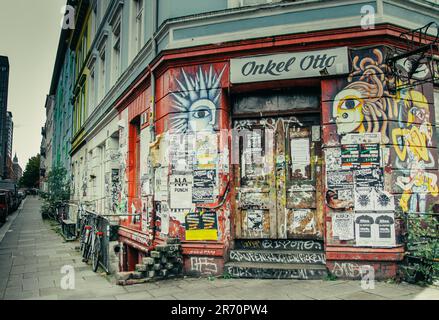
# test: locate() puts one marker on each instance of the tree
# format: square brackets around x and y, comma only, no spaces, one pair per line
[58,186]
[31,175]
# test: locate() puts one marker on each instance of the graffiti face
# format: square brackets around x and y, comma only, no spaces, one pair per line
[201,115]
[196,102]
[366,105]
[348,111]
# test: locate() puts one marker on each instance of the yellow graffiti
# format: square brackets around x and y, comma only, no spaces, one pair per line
[411,146]
[414,141]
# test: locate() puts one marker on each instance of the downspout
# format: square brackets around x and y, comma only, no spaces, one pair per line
[155,11]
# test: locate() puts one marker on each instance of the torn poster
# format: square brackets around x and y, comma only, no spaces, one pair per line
[343,226]
[333,159]
[255,220]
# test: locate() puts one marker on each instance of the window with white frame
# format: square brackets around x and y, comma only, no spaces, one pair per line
[137,27]
[116,57]
[102,73]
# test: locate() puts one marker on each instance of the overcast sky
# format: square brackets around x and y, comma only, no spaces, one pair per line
[29,34]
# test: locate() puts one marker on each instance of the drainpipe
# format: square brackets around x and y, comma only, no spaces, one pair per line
[155,11]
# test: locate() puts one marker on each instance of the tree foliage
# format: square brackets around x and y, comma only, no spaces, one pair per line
[58,186]
[31,175]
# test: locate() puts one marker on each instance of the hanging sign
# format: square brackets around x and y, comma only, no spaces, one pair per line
[290,65]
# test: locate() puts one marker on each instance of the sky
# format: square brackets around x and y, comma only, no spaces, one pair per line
[29,34]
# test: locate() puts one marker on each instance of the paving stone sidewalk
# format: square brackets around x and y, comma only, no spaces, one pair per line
[32,255]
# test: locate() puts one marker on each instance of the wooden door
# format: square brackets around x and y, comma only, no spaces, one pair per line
[277,178]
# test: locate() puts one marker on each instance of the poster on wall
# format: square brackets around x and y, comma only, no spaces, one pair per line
[180,191]
[303,221]
[365,199]
[145,216]
[384,201]
[375,229]
[333,159]
[350,156]
[340,189]
[343,225]
[369,177]
[206,150]
[363,229]
[180,152]
[360,138]
[385,229]
[201,226]
[255,219]
[161,184]
[369,155]
[204,183]
[300,156]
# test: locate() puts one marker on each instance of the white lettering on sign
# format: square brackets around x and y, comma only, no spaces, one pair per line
[290,65]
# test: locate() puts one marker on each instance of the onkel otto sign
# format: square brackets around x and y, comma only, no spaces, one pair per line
[290,65]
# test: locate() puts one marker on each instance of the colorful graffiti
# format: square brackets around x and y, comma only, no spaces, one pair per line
[196,101]
[367,105]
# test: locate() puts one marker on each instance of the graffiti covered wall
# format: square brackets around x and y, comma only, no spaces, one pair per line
[190,174]
[380,150]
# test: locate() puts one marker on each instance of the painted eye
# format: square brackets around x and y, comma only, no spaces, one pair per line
[201,114]
[350,104]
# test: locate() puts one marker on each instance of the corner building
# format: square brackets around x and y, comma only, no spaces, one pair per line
[269,153]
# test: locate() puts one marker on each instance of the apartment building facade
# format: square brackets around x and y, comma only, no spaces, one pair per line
[267,135]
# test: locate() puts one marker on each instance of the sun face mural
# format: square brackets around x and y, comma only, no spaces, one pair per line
[196,101]
[404,120]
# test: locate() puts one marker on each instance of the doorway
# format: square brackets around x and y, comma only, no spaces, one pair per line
[277,174]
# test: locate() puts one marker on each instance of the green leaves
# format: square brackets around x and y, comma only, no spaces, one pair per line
[58,186]
[31,174]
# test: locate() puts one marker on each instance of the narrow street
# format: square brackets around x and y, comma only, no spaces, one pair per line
[32,255]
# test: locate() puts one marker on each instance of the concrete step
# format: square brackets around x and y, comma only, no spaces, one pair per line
[279,244]
[278,256]
[275,271]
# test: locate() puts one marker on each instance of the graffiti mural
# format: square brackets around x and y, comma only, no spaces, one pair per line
[402,118]
[196,101]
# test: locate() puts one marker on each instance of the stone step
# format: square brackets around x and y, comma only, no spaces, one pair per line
[275,271]
[279,244]
[278,256]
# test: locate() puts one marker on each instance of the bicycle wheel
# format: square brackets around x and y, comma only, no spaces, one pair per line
[96,253]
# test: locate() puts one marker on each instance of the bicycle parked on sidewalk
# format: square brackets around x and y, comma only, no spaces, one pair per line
[90,238]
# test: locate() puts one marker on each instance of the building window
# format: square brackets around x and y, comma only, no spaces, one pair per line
[137,27]
[83,106]
[101,81]
[117,61]
[92,91]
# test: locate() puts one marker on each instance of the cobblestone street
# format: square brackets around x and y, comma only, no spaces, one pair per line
[32,254]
